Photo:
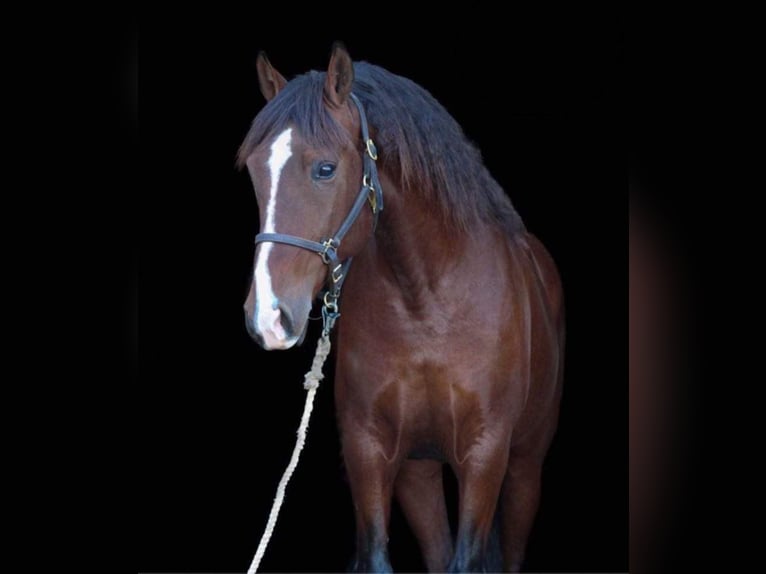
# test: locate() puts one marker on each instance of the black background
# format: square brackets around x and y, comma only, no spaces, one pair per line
[217,415]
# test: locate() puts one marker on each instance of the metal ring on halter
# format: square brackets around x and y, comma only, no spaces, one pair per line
[372,151]
[332,304]
[330,252]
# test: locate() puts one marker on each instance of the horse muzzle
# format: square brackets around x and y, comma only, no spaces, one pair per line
[276,327]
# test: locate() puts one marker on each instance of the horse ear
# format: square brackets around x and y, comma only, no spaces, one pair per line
[340,76]
[270,80]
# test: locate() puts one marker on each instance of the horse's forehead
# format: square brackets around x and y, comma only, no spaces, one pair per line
[281,149]
[278,144]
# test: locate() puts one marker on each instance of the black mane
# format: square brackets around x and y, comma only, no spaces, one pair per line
[417,139]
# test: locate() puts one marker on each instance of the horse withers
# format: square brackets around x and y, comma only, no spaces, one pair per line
[450,346]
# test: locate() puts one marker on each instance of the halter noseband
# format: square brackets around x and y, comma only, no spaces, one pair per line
[327,249]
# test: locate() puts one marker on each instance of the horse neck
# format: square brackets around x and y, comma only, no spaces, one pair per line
[414,248]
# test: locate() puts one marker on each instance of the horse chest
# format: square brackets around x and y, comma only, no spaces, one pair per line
[417,410]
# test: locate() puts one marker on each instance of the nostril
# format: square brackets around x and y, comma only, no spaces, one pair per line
[286,320]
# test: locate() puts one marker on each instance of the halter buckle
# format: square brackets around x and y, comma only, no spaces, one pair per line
[372,197]
[336,274]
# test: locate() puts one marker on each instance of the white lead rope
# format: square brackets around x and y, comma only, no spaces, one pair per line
[311,383]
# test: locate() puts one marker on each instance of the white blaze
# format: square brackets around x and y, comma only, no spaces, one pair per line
[267,316]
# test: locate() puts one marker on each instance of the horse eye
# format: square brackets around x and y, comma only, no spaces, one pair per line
[324,170]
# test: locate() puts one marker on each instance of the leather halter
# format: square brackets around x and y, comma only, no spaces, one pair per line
[327,248]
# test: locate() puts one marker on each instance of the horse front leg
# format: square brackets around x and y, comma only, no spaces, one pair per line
[519,502]
[480,479]
[371,477]
[521,492]
[420,492]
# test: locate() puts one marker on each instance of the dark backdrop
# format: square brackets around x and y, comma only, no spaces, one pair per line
[217,415]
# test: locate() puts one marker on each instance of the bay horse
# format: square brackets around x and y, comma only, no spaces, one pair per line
[450,348]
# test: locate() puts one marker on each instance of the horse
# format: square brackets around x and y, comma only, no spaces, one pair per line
[450,348]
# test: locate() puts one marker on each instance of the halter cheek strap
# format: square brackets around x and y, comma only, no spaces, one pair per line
[327,249]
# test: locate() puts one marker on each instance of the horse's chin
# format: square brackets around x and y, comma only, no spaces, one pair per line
[284,345]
